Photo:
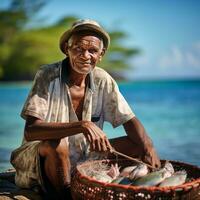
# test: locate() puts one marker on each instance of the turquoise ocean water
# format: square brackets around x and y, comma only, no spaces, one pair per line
[169,110]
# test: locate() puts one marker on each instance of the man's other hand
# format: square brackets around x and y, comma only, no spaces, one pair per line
[151,157]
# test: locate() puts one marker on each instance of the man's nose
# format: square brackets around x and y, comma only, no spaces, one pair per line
[86,54]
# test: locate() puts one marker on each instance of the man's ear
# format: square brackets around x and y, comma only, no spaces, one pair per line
[102,54]
[66,48]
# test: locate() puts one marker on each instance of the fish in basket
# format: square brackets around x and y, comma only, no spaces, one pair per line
[124,179]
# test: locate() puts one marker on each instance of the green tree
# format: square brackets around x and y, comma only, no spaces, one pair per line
[37,46]
[13,21]
[24,49]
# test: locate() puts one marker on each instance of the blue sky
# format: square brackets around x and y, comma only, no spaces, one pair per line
[167,32]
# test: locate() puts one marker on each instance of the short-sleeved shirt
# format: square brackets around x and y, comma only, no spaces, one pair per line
[50,100]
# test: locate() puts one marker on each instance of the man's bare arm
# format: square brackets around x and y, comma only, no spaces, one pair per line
[36,129]
[138,135]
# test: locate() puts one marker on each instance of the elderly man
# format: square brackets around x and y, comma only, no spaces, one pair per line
[65,111]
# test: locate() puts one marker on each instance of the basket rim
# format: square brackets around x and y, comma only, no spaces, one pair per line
[167,189]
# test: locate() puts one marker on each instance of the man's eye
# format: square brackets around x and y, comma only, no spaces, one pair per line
[93,50]
[78,49]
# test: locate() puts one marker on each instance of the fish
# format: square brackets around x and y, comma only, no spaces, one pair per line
[130,173]
[107,176]
[103,177]
[168,166]
[113,171]
[140,171]
[122,180]
[127,170]
[125,181]
[118,179]
[156,177]
[151,179]
[177,178]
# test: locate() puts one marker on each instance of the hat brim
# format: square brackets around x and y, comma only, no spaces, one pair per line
[86,27]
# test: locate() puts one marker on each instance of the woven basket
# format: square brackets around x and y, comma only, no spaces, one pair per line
[84,187]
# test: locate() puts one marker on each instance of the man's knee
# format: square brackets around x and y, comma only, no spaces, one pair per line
[58,148]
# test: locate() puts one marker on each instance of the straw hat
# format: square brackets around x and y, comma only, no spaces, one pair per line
[85,25]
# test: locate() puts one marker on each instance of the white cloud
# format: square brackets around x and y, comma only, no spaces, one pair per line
[174,58]
[193,60]
[197,46]
[177,62]
[177,57]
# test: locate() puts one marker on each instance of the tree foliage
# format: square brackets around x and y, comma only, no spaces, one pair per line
[23,50]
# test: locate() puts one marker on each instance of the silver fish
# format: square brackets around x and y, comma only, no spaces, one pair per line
[113,172]
[155,178]
[118,179]
[127,170]
[168,166]
[140,171]
[103,177]
[122,180]
[151,179]
[125,181]
[177,178]
[124,174]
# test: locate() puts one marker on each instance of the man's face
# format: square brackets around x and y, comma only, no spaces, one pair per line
[84,52]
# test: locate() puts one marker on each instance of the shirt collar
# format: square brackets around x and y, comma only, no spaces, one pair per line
[65,74]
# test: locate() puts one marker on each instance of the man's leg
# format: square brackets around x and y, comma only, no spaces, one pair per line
[55,154]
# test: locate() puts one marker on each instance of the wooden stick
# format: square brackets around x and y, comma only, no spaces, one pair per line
[130,158]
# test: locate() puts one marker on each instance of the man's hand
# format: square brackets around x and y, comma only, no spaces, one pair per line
[96,137]
[151,157]
[138,135]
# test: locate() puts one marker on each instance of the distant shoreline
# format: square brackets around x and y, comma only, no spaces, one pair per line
[18,82]
[197,79]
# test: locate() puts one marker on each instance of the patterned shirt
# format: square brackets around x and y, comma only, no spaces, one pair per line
[50,100]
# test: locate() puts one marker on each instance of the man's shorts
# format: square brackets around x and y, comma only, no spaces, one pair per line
[26,161]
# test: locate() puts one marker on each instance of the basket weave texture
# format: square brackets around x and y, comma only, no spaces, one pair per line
[86,188]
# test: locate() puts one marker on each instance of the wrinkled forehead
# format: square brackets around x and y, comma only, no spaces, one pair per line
[86,38]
